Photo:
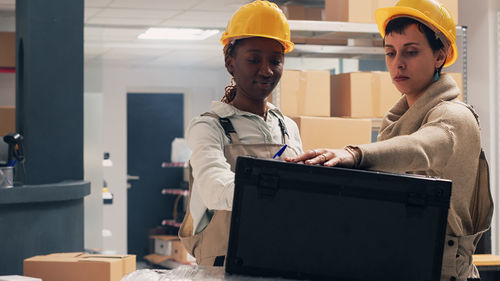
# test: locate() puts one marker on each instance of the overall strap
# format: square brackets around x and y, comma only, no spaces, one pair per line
[229,130]
[284,132]
[227,126]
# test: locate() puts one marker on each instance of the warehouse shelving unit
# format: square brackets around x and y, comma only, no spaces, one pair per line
[181,193]
[357,41]
[361,41]
[171,226]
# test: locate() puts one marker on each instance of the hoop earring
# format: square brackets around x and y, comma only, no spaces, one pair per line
[436,75]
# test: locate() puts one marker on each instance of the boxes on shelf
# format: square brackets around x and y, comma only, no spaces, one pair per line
[320,40]
[305,93]
[362,94]
[300,12]
[169,247]
[79,267]
[332,132]
[363,11]
[7,49]
[168,251]
[8,120]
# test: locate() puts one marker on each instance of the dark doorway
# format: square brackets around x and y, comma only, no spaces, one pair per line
[153,121]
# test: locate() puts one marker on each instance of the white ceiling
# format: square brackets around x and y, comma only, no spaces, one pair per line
[112,27]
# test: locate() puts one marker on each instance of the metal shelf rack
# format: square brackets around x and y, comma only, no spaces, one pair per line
[360,41]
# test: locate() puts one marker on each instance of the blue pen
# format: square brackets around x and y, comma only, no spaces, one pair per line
[278,154]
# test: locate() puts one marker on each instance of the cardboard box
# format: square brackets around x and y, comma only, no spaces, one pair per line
[363,11]
[452,7]
[170,247]
[7,120]
[18,278]
[163,247]
[305,93]
[362,94]
[79,267]
[300,12]
[332,132]
[7,49]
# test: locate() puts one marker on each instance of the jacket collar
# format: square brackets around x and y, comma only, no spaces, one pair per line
[225,110]
[404,120]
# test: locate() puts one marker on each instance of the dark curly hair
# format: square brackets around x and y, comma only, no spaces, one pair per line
[230,90]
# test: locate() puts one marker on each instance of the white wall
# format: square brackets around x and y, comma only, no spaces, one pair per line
[7,89]
[92,158]
[200,87]
[480,17]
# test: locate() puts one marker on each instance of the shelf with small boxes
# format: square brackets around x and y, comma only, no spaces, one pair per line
[168,252]
[180,204]
[165,248]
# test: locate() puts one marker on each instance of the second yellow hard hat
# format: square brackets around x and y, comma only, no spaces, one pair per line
[259,19]
[430,13]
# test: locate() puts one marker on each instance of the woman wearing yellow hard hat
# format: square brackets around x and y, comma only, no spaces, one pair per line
[429,131]
[243,123]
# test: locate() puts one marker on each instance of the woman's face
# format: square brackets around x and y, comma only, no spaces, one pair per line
[256,64]
[411,61]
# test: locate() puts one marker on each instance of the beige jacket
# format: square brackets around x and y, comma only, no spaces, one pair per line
[439,136]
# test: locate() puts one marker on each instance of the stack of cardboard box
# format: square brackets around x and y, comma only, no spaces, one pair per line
[7,120]
[306,97]
[357,11]
[361,11]
[301,12]
[7,49]
[333,111]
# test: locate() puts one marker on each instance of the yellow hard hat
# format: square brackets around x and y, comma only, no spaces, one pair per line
[259,19]
[429,12]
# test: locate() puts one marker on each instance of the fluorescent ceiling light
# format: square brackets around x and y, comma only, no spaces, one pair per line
[178,33]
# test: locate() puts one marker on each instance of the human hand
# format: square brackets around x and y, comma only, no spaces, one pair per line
[326,157]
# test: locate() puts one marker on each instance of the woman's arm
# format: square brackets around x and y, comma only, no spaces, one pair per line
[212,175]
[430,147]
